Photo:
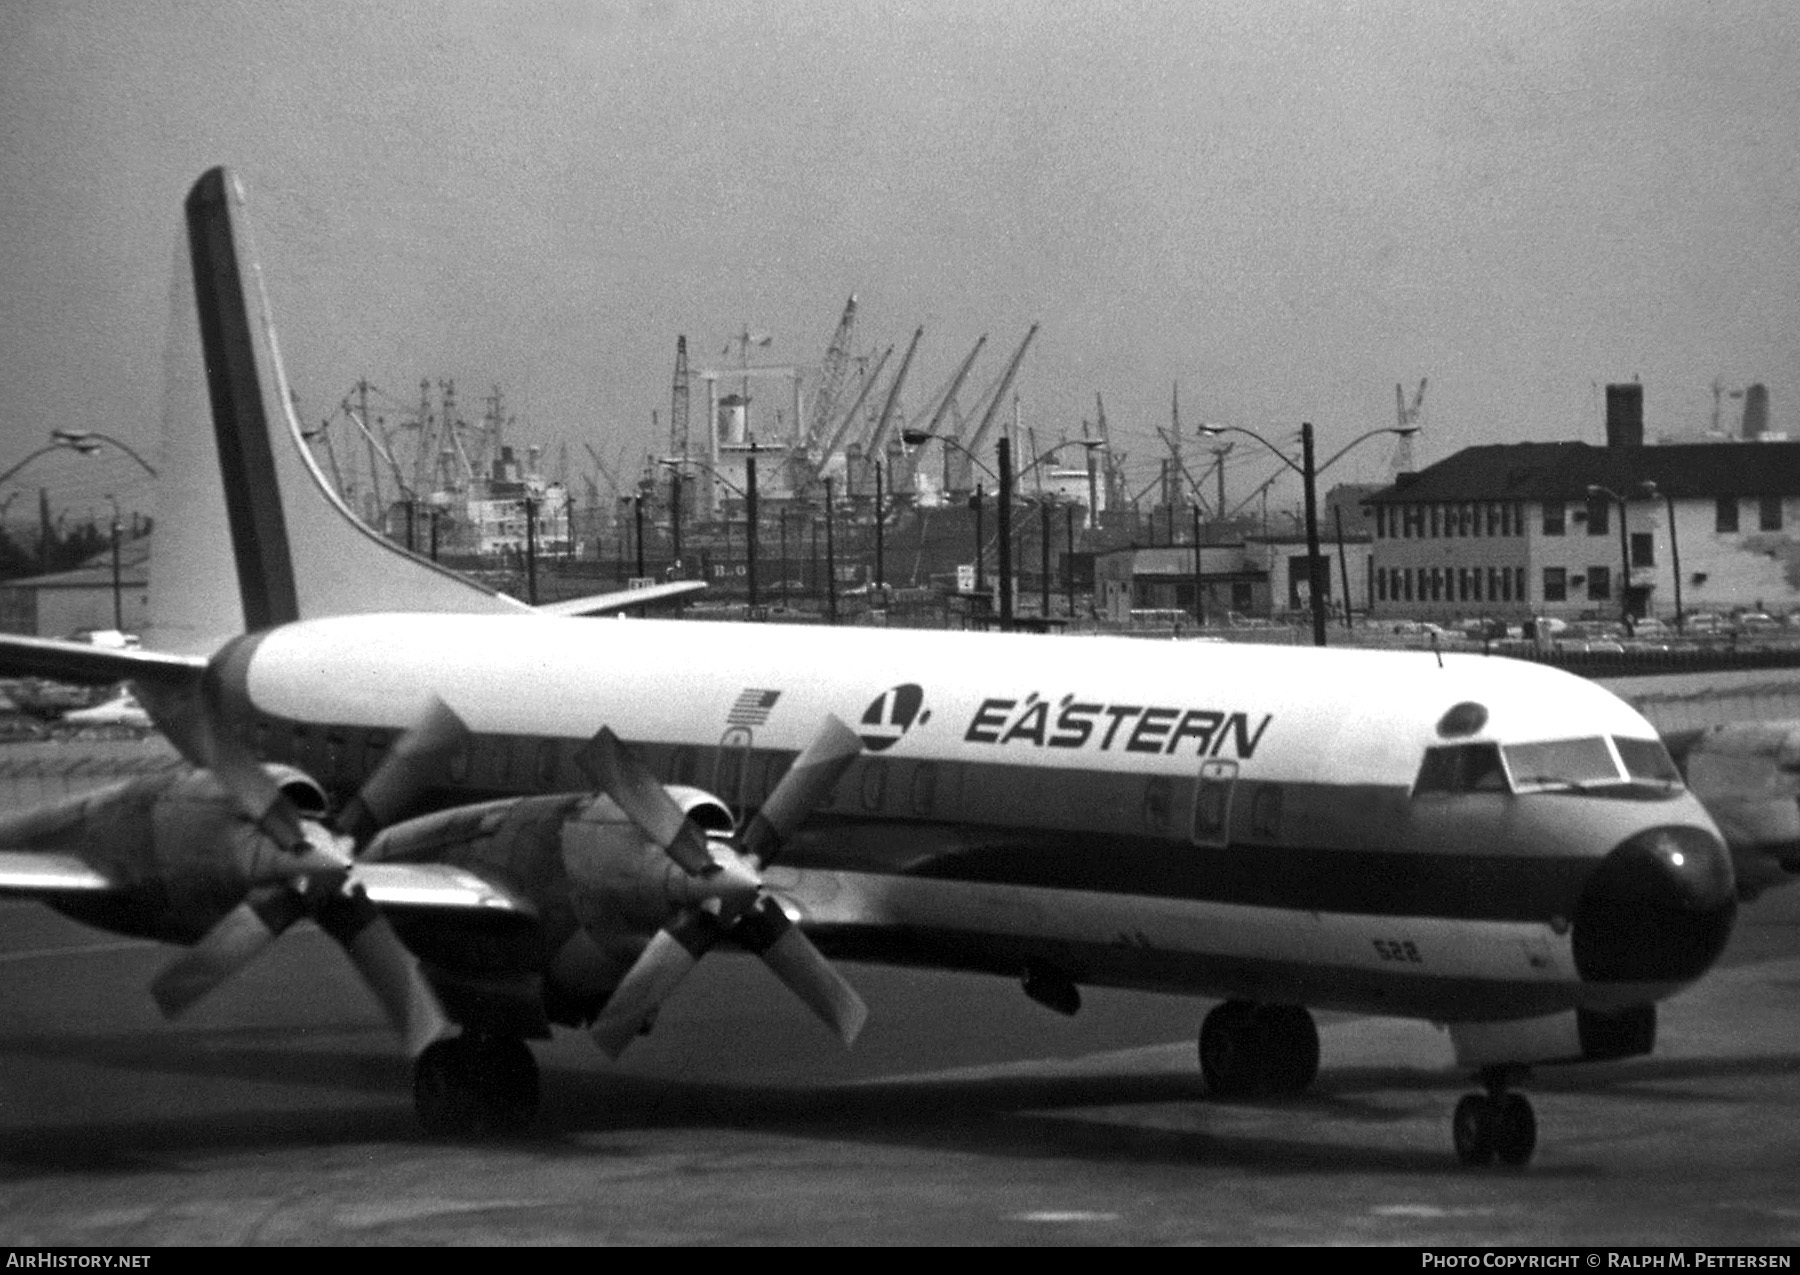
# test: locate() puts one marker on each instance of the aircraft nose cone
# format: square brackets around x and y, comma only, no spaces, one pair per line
[1658,909]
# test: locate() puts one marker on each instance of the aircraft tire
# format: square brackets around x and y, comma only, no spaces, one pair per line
[1515,1129]
[1289,1041]
[1230,1061]
[1472,1130]
[444,1097]
[504,1083]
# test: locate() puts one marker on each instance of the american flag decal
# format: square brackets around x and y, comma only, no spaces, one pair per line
[752,707]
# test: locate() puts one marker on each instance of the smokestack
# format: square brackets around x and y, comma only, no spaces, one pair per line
[1625,415]
[1756,411]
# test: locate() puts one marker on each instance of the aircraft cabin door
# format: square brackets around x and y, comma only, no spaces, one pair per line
[1213,792]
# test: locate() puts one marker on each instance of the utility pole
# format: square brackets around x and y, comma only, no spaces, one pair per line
[1315,577]
[750,521]
[637,514]
[675,519]
[1069,552]
[531,594]
[1199,588]
[1044,555]
[830,558]
[1003,452]
[880,577]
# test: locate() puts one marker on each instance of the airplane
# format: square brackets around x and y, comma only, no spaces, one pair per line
[515,820]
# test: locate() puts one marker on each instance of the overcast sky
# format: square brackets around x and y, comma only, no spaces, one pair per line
[1286,208]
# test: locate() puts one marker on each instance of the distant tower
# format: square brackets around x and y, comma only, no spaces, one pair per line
[678,401]
[1406,418]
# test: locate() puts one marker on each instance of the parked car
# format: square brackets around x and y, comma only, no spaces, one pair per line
[121,710]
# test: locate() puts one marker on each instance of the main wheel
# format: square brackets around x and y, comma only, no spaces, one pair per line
[1514,1129]
[504,1077]
[1229,1056]
[444,1095]
[1472,1129]
[1289,1042]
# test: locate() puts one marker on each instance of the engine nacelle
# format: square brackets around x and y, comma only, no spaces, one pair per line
[1580,1035]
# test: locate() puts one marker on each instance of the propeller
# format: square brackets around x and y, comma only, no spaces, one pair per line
[310,877]
[754,921]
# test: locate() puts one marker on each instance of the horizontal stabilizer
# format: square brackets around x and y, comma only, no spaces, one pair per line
[610,603]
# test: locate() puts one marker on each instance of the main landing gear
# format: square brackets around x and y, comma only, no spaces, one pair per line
[1252,1050]
[476,1084]
[1496,1125]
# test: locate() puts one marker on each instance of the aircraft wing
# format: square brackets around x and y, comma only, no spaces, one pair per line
[98,665]
[624,600]
[36,875]
[436,887]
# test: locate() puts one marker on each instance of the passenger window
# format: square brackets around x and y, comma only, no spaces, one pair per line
[1461,768]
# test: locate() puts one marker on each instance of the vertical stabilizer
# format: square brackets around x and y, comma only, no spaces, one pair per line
[299,553]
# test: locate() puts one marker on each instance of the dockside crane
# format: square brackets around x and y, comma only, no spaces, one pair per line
[831,381]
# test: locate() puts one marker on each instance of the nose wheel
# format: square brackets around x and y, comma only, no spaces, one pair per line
[1496,1125]
[476,1084]
[1253,1050]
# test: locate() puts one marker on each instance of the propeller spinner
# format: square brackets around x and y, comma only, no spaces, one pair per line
[311,878]
[753,920]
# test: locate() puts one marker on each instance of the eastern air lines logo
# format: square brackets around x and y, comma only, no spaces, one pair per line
[893,712]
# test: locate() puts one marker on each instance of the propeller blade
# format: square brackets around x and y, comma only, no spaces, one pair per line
[618,773]
[225,949]
[767,931]
[390,971]
[416,758]
[249,785]
[805,787]
[666,960]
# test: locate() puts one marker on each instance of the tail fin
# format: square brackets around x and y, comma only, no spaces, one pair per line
[299,552]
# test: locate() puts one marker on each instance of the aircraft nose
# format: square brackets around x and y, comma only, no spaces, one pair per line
[1658,909]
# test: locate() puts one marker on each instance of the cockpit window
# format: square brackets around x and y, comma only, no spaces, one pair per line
[1647,761]
[1461,768]
[1562,764]
[1620,767]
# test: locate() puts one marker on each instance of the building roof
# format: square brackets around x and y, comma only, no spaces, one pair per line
[1564,471]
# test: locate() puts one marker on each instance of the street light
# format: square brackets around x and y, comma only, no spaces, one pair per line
[1004,478]
[1595,489]
[1648,487]
[747,496]
[87,442]
[1317,575]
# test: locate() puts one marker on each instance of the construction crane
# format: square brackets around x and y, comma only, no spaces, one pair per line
[1006,380]
[807,470]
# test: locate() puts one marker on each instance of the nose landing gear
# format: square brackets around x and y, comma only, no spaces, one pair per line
[1496,1125]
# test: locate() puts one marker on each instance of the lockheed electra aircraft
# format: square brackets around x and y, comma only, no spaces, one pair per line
[515,820]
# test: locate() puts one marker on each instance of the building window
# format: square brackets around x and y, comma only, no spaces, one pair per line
[1493,519]
[1643,549]
[1519,583]
[1381,578]
[1599,510]
[1434,521]
[1769,513]
[1725,514]
[1599,582]
[1556,584]
[1554,514]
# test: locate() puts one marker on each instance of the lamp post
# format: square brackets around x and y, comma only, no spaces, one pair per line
[1318,573]
[830,559]
[880,518]
[1595,489]
[1004,479]
[747,494]
[1649,489]
[87,441]
[117,591]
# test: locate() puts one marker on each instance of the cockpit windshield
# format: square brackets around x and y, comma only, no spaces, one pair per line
[1614,765]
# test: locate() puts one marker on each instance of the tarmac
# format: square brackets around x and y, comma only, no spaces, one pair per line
[279,1113]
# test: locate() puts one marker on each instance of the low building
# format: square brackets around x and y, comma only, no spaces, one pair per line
[1258,577]
[91,596]
[1577,531]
